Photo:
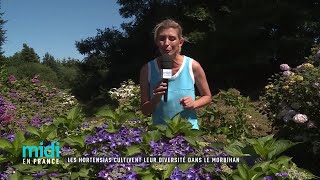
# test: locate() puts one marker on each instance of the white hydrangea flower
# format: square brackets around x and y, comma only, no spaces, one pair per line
[285,67]
[316,85]
[299,67]
[300,118]
[125,92]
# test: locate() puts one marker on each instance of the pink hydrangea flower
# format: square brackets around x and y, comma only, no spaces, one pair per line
[287,73]
[300,118]
[285,67]
[12,79]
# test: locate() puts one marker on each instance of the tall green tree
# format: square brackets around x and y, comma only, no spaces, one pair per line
[28,54]
[2,34]
[236,42]
[50,61]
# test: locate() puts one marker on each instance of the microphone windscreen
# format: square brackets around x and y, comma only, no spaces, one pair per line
[166,62]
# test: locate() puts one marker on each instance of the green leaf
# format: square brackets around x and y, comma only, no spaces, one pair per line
[52,136]
[265,139]
[28,178]
[16,176]
[144,173]
[184,167]
[147,177]
[74,175]
[279,147]
[169,133]
[5,144]
[132,150]
[154,135]
[161,127]
[107,113]
[59,120]
[274,168]
[263,165]
[192,132]
[242,171]
[17,142]
[168,172]
[74,113]
[236,177]
[257,175]
[190,140]
[31,142]
[46,130]
[3,159]
[224,130]
[126,116]
[235,151]
[75,140]
[83,172]
[33,130]
[110,128]
[284,160]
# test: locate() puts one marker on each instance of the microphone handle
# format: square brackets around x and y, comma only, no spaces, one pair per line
[166,94]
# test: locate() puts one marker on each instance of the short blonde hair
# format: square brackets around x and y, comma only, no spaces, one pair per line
[168,23]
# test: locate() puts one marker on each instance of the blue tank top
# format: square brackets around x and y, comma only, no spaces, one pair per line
[180,85]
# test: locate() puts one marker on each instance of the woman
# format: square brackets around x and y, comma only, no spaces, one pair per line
[186,72]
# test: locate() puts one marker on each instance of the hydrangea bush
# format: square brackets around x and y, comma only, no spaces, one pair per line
[233,116]
[30,100]
[127,96]
[101,137]
[292,101]
[116,133]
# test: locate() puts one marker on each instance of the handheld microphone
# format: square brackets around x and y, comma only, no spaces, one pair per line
[166,72]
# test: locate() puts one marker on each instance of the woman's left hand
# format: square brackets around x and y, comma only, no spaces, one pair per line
[187,102]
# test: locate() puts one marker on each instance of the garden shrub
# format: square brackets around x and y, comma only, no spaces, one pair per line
[30,69]
[262,157]
[292,101]
[117,133]
[81,138]
[127,96]
[233,116]
[30,101]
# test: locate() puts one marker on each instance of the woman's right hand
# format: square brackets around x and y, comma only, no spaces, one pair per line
[158,91]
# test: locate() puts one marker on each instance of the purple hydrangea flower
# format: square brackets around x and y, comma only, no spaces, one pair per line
[268,178]
[282,174]
[54,174]
[176,174]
